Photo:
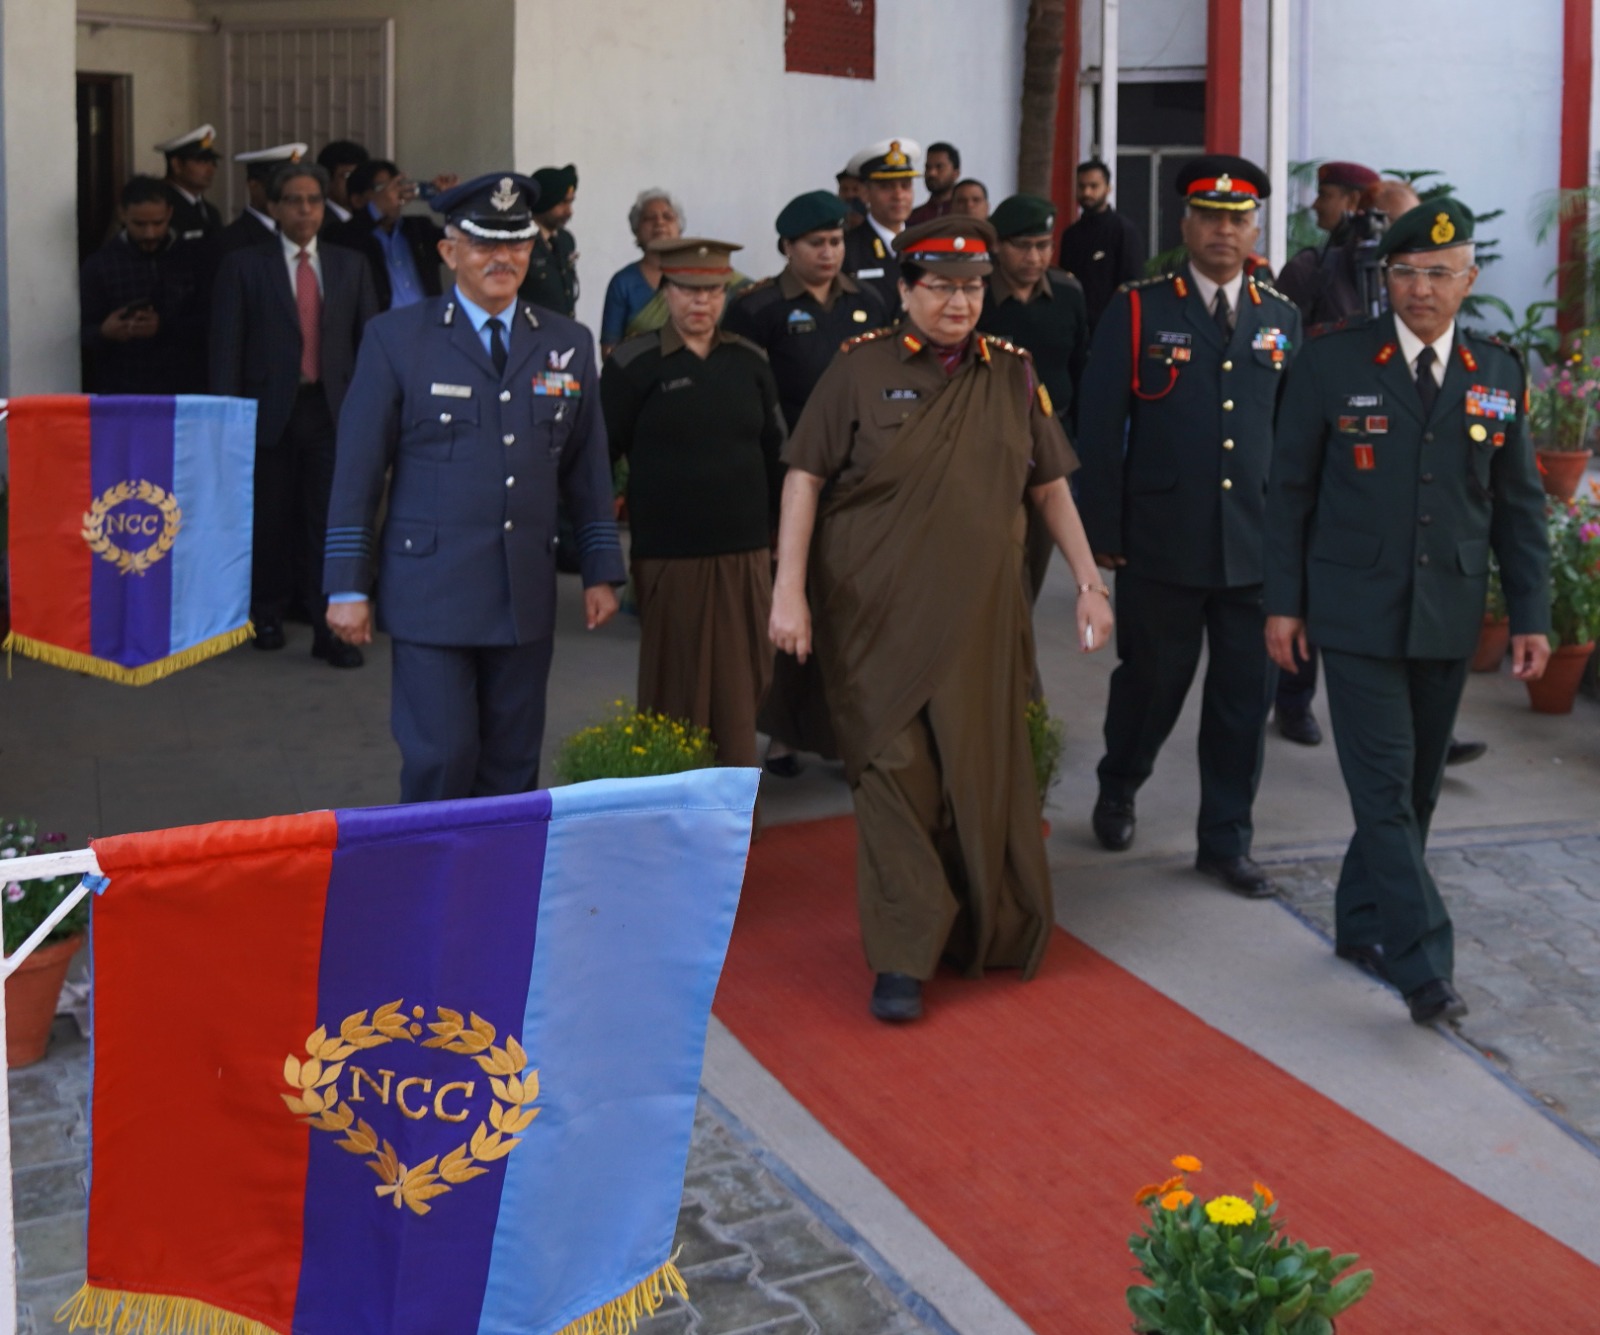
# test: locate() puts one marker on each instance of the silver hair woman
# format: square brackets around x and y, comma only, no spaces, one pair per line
[656,215]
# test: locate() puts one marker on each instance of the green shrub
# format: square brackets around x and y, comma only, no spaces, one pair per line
[632,744]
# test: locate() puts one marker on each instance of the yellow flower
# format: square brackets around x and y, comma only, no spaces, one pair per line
[638,750]
[1186,1163]
[628,730]
[1176,1200]
[1264,1192]
[1230,1210]
[1148,1192]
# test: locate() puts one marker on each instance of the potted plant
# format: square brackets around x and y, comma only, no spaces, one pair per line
[1574,529]
[1494,638]
[1562,403]
[633,744]
[34,990]
[1046,737]
[1223,1266]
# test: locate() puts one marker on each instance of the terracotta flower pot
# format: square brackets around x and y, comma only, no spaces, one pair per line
[1562,470]
[32,994]
[1493,641]
[1554,692]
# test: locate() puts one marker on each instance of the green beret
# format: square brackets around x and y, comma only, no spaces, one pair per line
[810,212]
[556,185]
[1023,215]
[1435,225]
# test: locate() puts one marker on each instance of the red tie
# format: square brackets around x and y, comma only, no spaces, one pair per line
[308,300]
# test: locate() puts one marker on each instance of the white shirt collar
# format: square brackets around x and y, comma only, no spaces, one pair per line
[292,250]
[1411,348]
[1208,290]
[265,219]
[193,199]
[884,232]
[338,210]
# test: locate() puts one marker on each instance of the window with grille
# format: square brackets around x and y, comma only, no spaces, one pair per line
[830,37]
[307,82]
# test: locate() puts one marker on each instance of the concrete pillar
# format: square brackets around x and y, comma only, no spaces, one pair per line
[38,199]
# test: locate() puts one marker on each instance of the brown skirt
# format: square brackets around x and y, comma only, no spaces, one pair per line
[704,655]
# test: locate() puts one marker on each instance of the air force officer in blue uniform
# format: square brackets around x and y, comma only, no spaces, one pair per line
[485,408]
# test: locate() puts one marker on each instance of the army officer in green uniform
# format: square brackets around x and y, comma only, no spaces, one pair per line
[1402,460]
[552,280]
[1041,309]
[1187,369]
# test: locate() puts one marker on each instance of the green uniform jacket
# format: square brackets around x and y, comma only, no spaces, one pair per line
[1380,523]
[1183,501]
[552,280]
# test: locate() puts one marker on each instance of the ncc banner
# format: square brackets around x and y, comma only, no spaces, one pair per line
[406,1070]
[130,523]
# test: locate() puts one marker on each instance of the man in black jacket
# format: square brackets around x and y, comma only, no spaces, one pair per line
[401,249]
[286,320]
[191,168]
[1103,249]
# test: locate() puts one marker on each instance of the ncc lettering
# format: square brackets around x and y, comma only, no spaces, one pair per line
[146,525]
[411,1095]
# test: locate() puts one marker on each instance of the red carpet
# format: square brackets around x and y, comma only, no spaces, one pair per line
[1018,1120]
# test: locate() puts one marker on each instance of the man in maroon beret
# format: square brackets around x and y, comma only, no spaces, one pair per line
[1321,280]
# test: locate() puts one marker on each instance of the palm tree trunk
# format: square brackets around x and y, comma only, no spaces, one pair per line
[1041,82]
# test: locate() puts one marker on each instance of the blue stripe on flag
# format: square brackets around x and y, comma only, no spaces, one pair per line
[641,880]
[214,450]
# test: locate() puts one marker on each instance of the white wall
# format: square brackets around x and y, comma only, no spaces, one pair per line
[166,69]
[38,200]
[1152,34]
[1468,86]
[637,95]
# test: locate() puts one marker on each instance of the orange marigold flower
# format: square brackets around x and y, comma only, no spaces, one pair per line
[1264,1192]
[1171,1184]
[1186,1163]
[1176,1200]
[1146,1193]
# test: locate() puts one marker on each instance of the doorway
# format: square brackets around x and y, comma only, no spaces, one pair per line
[104,152]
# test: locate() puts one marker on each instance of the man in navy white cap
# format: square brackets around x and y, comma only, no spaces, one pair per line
[889,171]
[191,168]
[254,223]
[482,410]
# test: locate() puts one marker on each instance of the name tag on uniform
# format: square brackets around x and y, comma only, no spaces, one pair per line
[898,394]
[1482,401]
[1172,338]
[1363,400]
[799,322]
[557,385]
[452,391]
[869,273]
[682,382]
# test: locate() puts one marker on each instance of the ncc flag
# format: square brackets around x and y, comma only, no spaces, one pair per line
[407,1070]
[130,530]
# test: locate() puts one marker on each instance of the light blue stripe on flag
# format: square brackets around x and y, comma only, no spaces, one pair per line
[213,479]
[641,880]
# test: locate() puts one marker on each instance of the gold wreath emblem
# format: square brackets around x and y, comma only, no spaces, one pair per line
[316,1102]
[126,562]
[1443,229]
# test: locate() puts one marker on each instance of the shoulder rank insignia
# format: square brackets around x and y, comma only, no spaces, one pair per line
[1179,286]
[994,340]
[983,350]
[869,337]
[530,317]
[1044,402]
[911,342]
[1255,295]
[877,247]
[1386,352]
[449,317]
[1467,359]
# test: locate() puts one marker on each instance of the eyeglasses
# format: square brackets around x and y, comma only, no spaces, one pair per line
[1438,276]
[483,246]
[300,201]
[943,293]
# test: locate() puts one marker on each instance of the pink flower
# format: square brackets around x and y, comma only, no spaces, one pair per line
[1565,387]
[14,892]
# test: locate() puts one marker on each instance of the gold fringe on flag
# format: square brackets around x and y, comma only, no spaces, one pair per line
[74,661]
[121,1312]
[622,1315]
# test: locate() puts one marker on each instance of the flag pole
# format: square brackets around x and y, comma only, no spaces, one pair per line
[81,863]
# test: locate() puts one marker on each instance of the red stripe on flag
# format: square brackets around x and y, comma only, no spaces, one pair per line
[50,562]
[206,953]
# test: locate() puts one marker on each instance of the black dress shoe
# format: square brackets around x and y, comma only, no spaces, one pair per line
[1113,822]
[1434,1002]
[1300,726]
[336,653]
[1242,875]
[784,767]
[896,998]
[1368,958]
[269,635]
[1464,753]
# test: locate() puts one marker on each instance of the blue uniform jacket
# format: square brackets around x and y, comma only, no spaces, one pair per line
[467,551]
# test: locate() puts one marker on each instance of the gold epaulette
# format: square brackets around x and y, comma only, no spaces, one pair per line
[995,341]
[1147,282]
[852,343]
[1263,285]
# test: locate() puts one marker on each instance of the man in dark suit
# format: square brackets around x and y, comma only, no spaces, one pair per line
[1175,434]
[480,410]
[1103,249]
[1402,460]
[286,319]
[401,249]
[191,168]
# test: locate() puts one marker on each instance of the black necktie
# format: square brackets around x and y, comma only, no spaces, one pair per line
[1222,312]
[1427,386]
[497,344]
